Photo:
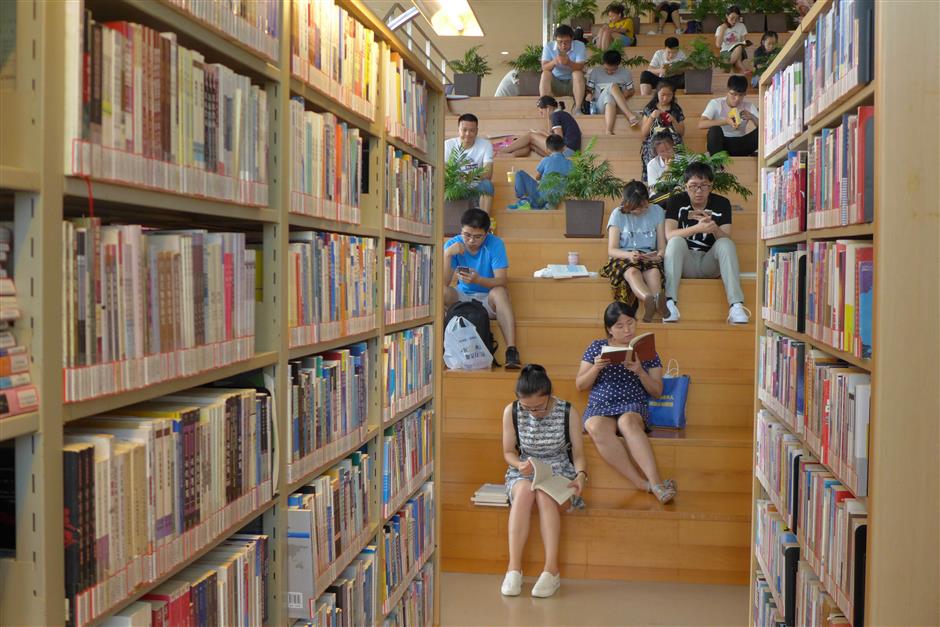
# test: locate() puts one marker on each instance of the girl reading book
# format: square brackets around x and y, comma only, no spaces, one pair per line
[539,426]
[618,404]
[636,244]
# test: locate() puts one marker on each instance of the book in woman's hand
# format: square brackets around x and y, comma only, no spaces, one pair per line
[643,346]
[556,486]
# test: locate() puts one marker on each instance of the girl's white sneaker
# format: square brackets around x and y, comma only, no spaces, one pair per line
[512,584]
[547,585]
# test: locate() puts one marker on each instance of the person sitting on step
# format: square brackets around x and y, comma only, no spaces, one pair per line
[479,261]
[731,39]
[611,85]
[665,147]
[618,403]
[619,27]
[559,122]
[659,68]
[480,152]
[661,114]
[763,54]
[699,244]
[563,61]
[527,187]
[540,426]
[727,120]
[667,12]
[636,242]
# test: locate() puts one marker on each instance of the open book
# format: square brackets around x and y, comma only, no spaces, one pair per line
[643,346]
[551,484]
[561,271]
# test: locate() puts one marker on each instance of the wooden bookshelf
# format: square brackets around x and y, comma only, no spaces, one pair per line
[32,155]
[902,573]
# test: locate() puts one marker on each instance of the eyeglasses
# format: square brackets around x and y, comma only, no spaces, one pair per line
[470,237]
[698,189]
[536,410]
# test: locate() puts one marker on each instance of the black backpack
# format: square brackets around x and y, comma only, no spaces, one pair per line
[515,426]
[475,313]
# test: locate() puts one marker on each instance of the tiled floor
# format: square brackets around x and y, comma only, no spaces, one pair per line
[475,600]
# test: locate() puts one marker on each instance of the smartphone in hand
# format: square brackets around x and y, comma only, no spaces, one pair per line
[463,270]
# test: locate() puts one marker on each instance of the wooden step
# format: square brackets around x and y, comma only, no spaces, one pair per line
[626,167]
[486,107]
[645,41]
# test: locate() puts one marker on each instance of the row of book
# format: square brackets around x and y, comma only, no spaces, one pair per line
[407,281]
[332,286]
[783,197]
[326,165]
[409,193]
[228,586]
[785,286]
[334,53]
[839,56]
[416,608]
[763,606]
[407,455]
[328,523]
[408,540]
[18,394]
[841,171]
[406,102]
[146,486]
[146,306]
[408,362]
[328,406]
[350,600]
[839,293]
[778,551]
[143,110]
[783,107]
[256,24]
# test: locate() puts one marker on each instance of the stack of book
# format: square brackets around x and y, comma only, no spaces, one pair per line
[491,495]
[331,280]
[839,57]
[326,165]
[143,110]
[417,603]
[408,455]
[409,369]
[255,24]
[778,551]
[783,108]
[785,286]
[143,306]
[408,539]
[327,526]
[409,193]
[839,290]
[406,102]
[407,281]
[783,197]
[18,395]
[148,485]
[335,54]
[840,172]
[764,610]
[328,405]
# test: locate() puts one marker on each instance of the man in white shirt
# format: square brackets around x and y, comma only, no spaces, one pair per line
[563,63]
[727,120]
[659,68]
[480,152]
[664,145]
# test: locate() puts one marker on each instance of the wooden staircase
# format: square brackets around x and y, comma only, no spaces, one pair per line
[703,536]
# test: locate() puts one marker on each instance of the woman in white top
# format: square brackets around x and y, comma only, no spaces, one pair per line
[659,68]
[731,38]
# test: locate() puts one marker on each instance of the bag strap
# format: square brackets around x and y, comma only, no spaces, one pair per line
[515,424]
[568,432]
[672,368]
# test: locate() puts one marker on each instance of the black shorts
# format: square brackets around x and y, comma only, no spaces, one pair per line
[669,8]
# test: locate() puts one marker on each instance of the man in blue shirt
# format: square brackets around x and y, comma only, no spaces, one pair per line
[563,67]
[527,188]
[479,260]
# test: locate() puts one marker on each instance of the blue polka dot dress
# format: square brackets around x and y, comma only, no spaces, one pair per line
[617,390]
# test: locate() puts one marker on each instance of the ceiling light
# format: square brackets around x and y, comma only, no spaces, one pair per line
[504,52]
[450,18]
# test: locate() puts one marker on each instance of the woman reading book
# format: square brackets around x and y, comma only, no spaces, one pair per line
[539,426]
[618,403]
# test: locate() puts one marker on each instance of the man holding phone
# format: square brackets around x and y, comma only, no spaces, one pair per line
[478,259]
[699,244]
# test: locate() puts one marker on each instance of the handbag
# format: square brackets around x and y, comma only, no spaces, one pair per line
[668,411]
[463,348]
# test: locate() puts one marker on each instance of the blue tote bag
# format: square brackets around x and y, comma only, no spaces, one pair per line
[668,411]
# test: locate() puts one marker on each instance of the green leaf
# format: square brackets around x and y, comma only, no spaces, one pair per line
[460,176]
[568,9]
[529,61]
[590,178]
[472,63]
[597,55]
[725,182]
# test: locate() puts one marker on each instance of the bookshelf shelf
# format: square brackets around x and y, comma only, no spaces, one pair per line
[333,570]
[836,232]
[414,151]
[323,102]
[18,179]
[770,584]
[408,410]
[389,604]
[392,507]
[408,324]
[859,362]
[310,223]
[328,345]
[831,115]
[326,464]
[405,236]
[16,426]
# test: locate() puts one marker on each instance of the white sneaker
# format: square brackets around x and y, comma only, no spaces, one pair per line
[512,584]
[655,32]
[547,585]
[739,314]
[673,311]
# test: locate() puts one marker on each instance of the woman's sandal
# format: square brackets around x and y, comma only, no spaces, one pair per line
[665,491]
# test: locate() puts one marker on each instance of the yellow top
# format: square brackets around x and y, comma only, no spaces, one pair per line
[625,25]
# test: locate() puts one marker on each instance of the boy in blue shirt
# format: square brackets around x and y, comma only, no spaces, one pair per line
[527,188]
[479,260]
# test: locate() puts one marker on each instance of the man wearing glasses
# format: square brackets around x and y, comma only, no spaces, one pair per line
[699,244]
[727,120]
[563,62]
[479,260]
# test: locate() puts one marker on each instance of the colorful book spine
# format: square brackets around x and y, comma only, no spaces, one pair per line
[256,24]
[416,606]
[785,286]
[780,377]
[764,607]
[778,551]
[406,102]
[331,286]
[145,111]
[409,194]
[156,482]
[778,454]
[839,286]
[783,197]
[408,539]
[326,167]
[143,307]
[18,395]
[407,281]
[783,108]
[409,369]
[408,456]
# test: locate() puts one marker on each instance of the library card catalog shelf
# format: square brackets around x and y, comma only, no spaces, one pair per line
[219,320]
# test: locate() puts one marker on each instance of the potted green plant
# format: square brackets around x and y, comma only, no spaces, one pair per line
[698,66]
[589,181]
[780,14]
[597,55]
[754,17]
[461,175]
[709,13]
[725,182]
[469,72]
[528,67]
[578,13]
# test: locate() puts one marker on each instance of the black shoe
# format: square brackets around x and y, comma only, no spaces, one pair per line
[512,358]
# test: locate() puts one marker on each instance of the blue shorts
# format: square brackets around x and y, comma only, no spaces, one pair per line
[485,188]
[625,39]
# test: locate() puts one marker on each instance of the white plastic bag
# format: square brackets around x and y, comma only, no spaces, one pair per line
[463,348]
